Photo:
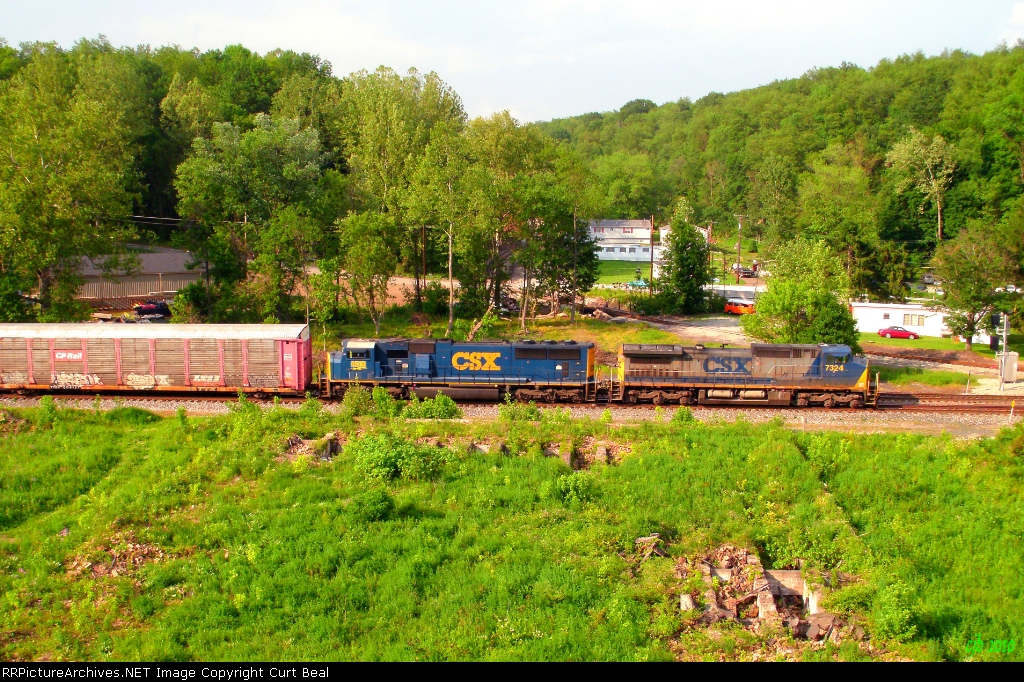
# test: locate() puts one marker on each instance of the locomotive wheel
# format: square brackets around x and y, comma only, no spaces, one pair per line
[658,399]
[829,402]
[631,397]
[576,398]
[550,398]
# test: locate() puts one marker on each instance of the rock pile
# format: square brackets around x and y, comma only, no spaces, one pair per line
[738,588]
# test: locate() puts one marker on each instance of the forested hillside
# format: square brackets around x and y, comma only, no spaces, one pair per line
[298,190]
[831,154]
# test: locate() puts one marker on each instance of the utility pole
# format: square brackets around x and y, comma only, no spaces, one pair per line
[1003,357]
[739,243]
[650,284]
[572,310]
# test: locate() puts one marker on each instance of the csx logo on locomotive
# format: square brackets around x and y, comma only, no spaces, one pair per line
[476,362]
[717,365]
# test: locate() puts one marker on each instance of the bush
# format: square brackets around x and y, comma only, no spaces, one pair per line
[47,411]
[383,457]
[357,402]
[684,415]
[439,407]
[435,298]
[311,407]
[374,505]
[384,406]
[575,488]
[893,614]
[512,411]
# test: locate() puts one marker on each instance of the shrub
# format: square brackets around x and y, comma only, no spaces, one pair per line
[311,407]
[357,402]
[512,411]
[577,487]
[384,406]
[439,407]
[373,505]
[47,411]
[684,415]
[893,613]
[383,457]
[181,414]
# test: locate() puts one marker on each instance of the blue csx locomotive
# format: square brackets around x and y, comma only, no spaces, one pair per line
[564,371]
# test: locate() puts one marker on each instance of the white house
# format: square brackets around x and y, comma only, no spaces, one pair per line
[628,240]
[914,317]
[871,317]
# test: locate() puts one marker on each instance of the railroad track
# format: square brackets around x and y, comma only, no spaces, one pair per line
[946,402]
[906,402]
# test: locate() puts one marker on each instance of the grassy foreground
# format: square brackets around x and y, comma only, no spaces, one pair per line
[129,536]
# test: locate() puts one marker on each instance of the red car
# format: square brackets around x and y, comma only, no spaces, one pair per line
[897,333]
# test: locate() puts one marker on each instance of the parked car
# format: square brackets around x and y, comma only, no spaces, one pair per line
[739,306]
[897,333]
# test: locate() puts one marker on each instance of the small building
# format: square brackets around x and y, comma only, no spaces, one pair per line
[914,317]
[624,240]
[162,273]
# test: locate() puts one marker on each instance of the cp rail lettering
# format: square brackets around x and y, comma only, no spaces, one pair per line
[476,362]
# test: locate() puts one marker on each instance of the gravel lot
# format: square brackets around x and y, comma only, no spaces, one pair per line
[861,421]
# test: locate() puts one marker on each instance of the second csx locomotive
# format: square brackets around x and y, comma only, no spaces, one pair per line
[565,371]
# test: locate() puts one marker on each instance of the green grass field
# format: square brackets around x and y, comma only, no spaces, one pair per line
[932,343]
[620,272]
[124,536]
[901,376]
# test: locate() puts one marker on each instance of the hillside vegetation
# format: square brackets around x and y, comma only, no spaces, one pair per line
[129,536]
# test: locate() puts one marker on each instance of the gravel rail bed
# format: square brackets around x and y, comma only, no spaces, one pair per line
[961,424]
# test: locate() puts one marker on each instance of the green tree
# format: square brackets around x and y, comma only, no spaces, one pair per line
[927,164]
[687,269]
[971,268]
[806,300]
[66,175]
[582,192]
[255,199]
[439,196]
[837,205]
[772,198]
[371,257]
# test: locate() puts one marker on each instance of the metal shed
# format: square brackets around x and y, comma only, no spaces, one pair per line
[256,358]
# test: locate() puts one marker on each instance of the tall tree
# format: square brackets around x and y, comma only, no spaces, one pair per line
[439,196]
[928,164]
[687,269]
[65,178]
[582,192]
[971,268]
[806,300]
[371,257]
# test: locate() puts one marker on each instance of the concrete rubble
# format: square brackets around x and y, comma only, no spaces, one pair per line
[737,588]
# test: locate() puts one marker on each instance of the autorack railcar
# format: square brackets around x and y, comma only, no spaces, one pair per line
[254,358]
